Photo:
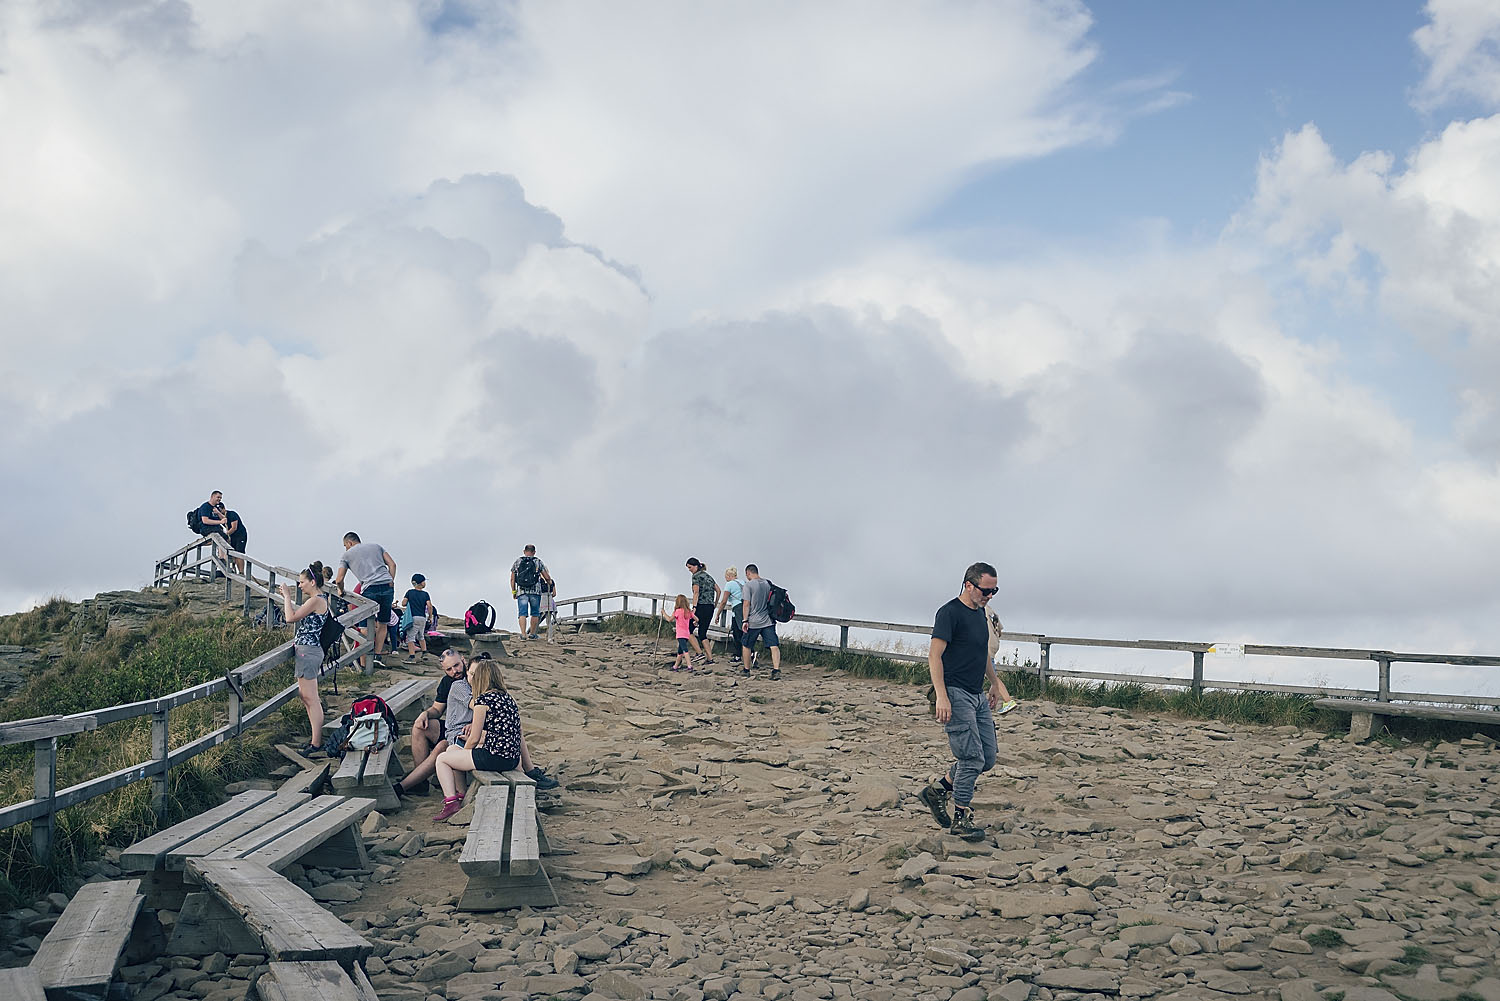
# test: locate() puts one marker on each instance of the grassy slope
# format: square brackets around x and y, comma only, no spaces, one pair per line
[1263,708]
[94,668]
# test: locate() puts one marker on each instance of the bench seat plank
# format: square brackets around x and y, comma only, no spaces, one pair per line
[314,981]
[281,842]
[81,951]
[484,848]
[365,768]
[1480,716]
[525,858]
[514,777]
[21,984]
[290,924]
[305,838]
[267,812]
[151,853]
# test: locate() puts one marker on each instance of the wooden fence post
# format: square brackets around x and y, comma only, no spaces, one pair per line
[1197,672]
[1044,664]
[1385,678]
[599,608]
[44,788]
[270,599]
[237,704]
[160,745]
[654,610]
[843,639]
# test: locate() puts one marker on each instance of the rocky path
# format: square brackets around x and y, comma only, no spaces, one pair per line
[729,838]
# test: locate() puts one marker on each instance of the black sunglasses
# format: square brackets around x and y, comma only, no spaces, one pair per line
[988,592]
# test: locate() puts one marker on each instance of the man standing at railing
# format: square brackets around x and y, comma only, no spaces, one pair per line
[376,571]
[958,661]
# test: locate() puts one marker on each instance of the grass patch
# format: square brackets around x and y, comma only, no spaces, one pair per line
[93,668]
[1265,708]
[1325,938]
[1415,955]
[1333,996]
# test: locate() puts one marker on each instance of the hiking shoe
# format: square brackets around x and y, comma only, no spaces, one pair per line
[775,674]
[735,659]
[1006,707]
[964,826]
[399,790]
[451,805]
[935,797]
[542,779]
[744,672]
[312,751]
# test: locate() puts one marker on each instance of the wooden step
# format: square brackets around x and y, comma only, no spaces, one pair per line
[79,955]
[290,924]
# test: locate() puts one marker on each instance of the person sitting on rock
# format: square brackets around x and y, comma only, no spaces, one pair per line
[492,740]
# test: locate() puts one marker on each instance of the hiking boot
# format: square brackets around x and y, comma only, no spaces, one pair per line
[542,779]
[451,805]
[775,674]
[964,826]
[744,672]
[935,798]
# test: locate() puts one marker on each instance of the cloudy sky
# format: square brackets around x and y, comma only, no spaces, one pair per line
[1185,315]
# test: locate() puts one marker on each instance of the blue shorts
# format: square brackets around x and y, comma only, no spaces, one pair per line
[383,595]
[766,633]
[532,601]
[682,644]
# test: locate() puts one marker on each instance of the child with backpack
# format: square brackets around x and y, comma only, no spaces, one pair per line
[307,646]
[416,601]
[682,616]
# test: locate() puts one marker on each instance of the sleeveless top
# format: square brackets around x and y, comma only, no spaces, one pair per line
[308,628]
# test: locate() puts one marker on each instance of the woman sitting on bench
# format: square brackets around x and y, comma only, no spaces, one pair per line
[494,741]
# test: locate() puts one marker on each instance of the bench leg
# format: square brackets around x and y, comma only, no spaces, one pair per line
[164,890]
[1362,726]
[205,926]
[498,893]
[542,844]
[345,850]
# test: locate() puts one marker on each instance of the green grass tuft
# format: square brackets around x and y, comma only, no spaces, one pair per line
[1325,938]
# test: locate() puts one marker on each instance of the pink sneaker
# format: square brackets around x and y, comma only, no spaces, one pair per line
[451,805]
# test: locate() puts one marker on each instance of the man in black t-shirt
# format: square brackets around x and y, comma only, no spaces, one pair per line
[958,659]
[238,537]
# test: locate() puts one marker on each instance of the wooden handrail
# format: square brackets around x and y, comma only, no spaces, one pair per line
[43,732]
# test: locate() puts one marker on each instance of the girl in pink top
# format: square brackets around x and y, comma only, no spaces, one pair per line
[682,618]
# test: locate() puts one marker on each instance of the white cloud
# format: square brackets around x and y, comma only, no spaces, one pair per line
[1461,42]
[625,285]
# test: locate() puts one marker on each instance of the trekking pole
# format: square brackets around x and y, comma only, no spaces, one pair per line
[657,642]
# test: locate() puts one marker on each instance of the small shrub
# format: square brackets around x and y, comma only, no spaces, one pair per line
[1325,938]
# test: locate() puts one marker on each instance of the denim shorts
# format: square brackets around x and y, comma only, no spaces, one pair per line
[682,644]
[531,601]
[383,595]
[766,633]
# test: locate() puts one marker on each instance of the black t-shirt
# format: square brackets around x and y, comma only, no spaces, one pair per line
[444,687]
[416,600]
[238,532]
[968,638]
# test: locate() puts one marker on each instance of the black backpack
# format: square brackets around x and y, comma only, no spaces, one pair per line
[480,618]
[779,604]
[195,522]
[527,574]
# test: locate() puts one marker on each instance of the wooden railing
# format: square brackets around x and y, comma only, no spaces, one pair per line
[201,560]
[1382,659]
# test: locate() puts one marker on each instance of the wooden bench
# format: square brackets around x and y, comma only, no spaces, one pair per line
[502,854]
[314,981]
[514,777]
[1364,716]
[281,920]
[271,829]
[369,773]
[78,957]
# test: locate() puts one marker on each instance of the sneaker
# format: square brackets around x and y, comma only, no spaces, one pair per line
[735,659]
[451,805]
[399,790]
[533,636]
[312,751]
[744,672]
[1006,707]
[935,798]
[964,826]
[542,779]
[775,674]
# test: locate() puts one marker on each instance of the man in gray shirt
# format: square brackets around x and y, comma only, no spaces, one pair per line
[758,622]
[376,571]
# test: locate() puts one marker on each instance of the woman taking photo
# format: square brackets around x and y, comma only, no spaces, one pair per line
[307,646]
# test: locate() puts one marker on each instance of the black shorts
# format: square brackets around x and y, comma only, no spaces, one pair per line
[487,762]
[237,541]
[705,615]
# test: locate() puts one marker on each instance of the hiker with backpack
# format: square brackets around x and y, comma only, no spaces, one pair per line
[376,571]
[705,589]
[760,622]
[416,603]
[307,647]
[526,576]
